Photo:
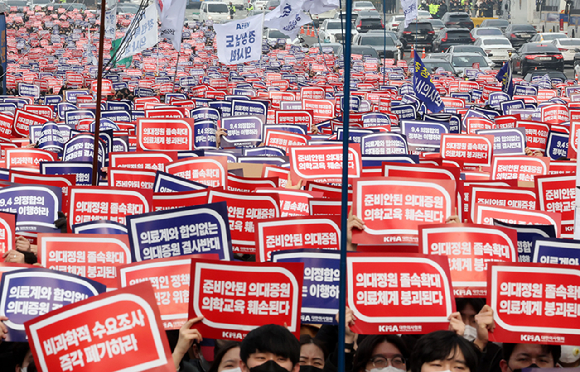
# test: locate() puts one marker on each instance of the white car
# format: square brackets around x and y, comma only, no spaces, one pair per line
[568,48]
[547,36]
[276,37]
[498,48]
[319,18]
[215,11]
[331,31]
[486,31]
[463,61]
[260,4]
[362,6]
[394,22]
[423,14]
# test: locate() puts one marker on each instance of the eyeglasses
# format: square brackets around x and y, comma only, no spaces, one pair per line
[382,362]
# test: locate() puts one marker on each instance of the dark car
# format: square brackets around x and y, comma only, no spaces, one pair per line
[458,19]
[451,36]
[502,24]
[553,74]
[433,64]
[385,47]
[518,35]
[420,34]
[537,55]
[359,49]
[368,21]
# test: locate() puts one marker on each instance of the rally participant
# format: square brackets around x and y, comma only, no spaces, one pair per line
[187,337]
[518,356]
[312,354]
[270,348]
[443,351]
[570,356]
[328,336]
[227,358]
[381,353]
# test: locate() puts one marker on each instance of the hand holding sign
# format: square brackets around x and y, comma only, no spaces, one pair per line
[187,336]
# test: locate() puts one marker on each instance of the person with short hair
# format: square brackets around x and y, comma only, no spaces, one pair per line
[443,351]
[518,356]
[270,348]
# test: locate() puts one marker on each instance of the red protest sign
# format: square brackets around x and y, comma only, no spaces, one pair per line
[392,208]
[323,163]
[132,179]
[485,214]
[165,113]
[536,134]
[91,256]
[294,117]
[106,203]
[106,87]
[40,110]
[473,150]
[246,184]
[554,114]
[322,109]
[23,120]
[172,200]
[296,233]
[469,249]
[502,196]
[521,168]
[142,160]
[557,194]
[235,298]
[112,331]
[534,303]
[208,170]
[28,159]
[7,232]
[165,134]
[243,211]
[284,140]
[399,294]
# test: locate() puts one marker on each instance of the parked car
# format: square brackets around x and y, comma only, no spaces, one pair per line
[359,49]
[534,55]
[453,49]
[419,33]
[392,34]
[457,19]
[272,4]
[498,49]
[319,18]
[368,21]
[385,47]
[518,35]
[486,31]
[553,74]
[260,4]
[331,31]
[423,14]
[437,24]
[432,64]
[502,24]
[451,36]
[361,6]
[394,22]
[463,61]
[547,36]
[568,48]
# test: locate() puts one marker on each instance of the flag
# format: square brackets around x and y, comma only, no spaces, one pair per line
[239,41]
[287,17]
[115,46]
[410,10]
[505,76]
[424,88]
[318,6]
[172,18]
[146,35]
[111,19]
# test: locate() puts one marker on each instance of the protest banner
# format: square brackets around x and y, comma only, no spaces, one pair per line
[392,208]
[142,160]
[172,200]
[320,287]
[534,303]
[323,163]
[556,251]
[521,168]
[86,255]
[296,233]
[120,330]
[527,234]
[27,159]
[239,41]
[470,248]
[486,214]
[181,231]
[29,293]
[23,120]
[99,227]
[165,183]
[399,293]
[208,170]
[502,196]
[7,233]
[557,194]
[165,134]
[132,179]
[36,207]
[257,294]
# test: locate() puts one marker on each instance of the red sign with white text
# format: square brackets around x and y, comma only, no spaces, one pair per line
[284,140]
[165,134]
[502,196]
[323,163]
[172,200]
[473,149]
[521,168]
[208,170]
[485,214]
[557,194]
[7,233]
[142,160]
[23,120]
[28,159]
[131,178]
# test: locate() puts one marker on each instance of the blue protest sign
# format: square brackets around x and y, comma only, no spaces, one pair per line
[292,128]
[99,227]
[405,111]
[354,134]
[63,107]
[52,100]
[525,90]
[115,115]
[28,293]
[231,155]
[556,251]
[121,144]
[165,182]
[36,206]
[249,108]
[225,107]
[72,117]
[205,134]
[526,236]
[181,231]
[119,106]
[205,113]
[9,107]
[80,149]
[355,102]
[272,160]
[264,151]
[517,104]
[50,138]
[71,95]
[320,287]
[375,119]
[243,131]
[82,170]
[384,144]
[423,135]
[557,145]
[28,90]
[507,141]
[496,98]
[377,160]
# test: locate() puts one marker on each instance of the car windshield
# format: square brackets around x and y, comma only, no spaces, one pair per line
[127,8]
[570,42]
[436,22]
[365,51]
[376,41]
[275,34]
[489,31]
[467,48]
[458,34]
[217,8]
[333,25]
[554,36]
[398,18]
[542,48]
[523,28]
[496,42]
[434,65]
[422,27]
[363,4]
[458,17]
[496,23]
[468,61]
[551,74]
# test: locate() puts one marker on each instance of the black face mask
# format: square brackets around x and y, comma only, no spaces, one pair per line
[533,365]
[269,366]
[310,369]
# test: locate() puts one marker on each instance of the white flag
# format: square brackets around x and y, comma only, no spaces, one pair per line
[320,6]
[239,41]
[287,18]
[163,8]
[111,19]
[146,34]
[410,10]
[172,25]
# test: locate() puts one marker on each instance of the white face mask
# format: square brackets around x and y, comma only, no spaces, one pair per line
[470,333]
[237,369]
[23,369]
[570,354]
[386,369]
